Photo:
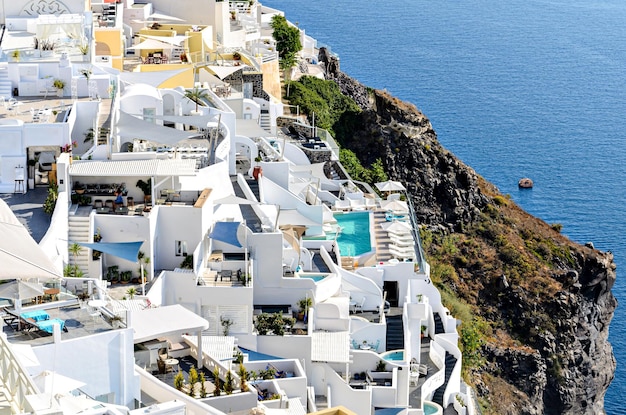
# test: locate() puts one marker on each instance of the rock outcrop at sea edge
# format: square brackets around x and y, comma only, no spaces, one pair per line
[548,351]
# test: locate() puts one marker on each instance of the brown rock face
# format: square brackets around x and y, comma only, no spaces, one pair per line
[549,353]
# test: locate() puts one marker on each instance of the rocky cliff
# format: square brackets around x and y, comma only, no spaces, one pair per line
[546,301]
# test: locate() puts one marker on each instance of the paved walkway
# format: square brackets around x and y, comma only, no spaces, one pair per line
[28,208]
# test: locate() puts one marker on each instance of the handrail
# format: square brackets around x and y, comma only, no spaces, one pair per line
[416,237]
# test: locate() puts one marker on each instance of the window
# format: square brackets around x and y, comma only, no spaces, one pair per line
[180,248]
[148,114]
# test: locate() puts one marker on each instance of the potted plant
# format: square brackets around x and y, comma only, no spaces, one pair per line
[303,307]
[86,72]
[146,188]
[196,95]
[59,84]
[381,366]
[226,324]
[257,170]
[16,55]
[84,48]
[423,331]
[236,56]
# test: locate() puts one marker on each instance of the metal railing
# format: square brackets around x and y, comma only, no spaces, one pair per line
[416,236]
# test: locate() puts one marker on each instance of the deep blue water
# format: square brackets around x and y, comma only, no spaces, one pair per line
[522,88]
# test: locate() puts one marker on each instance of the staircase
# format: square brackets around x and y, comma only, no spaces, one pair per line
[450,362]
[265,121]
[79,232]
[438,324]
[382,238]
[395,333]
[5,83]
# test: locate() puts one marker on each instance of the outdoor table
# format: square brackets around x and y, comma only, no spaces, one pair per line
[37,315]
[103,210]
[122,210]
[172,363]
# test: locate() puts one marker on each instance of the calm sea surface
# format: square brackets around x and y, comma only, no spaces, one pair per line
[522,88]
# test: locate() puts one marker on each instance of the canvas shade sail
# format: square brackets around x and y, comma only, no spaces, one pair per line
[397,227]
[223,71]
[20,256]
[21,290]
[152,323]
[124,250]
[129,126]
[151,44]
[226,232]
[390,186]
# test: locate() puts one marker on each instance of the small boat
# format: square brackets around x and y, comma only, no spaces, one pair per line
[525,183]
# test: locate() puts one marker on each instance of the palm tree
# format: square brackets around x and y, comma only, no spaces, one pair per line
[132,291]
[75,249]
[196,94]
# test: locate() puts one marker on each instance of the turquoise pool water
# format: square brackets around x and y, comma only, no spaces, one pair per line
[316,278]
[354,238]
[393,356]
[431,409]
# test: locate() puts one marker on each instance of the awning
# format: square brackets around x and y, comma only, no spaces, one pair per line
[226,232]
[250,128]
[153,323]
[124,250]
[205,76]
[293,217]
[151,44]
[223,71]
[129,126]
[20,256]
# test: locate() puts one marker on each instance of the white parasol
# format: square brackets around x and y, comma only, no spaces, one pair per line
[396,206]
[390,186]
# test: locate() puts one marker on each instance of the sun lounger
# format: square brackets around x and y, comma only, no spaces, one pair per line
[48,325]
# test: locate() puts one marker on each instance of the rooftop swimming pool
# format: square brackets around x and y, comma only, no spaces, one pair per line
[393,356]
[431,408]
[354,238]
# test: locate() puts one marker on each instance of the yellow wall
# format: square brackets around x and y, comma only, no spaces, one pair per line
[114,40]
[184,79]
[271,78]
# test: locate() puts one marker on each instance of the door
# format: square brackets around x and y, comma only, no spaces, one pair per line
[391,288]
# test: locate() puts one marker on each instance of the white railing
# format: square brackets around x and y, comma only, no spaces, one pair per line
[15,380]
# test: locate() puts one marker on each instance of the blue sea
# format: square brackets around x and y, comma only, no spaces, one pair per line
[522,88]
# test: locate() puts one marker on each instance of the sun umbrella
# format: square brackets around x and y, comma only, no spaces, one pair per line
[54,383]
[396,206]
[397,227]
[390,186]
[20,290]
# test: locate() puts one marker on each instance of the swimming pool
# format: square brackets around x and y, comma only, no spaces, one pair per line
[314,277]
[393,356]
[431,408]
[354,238]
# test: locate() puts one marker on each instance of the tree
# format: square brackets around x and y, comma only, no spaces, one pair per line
[196,95]
[287,41]
[217,382]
